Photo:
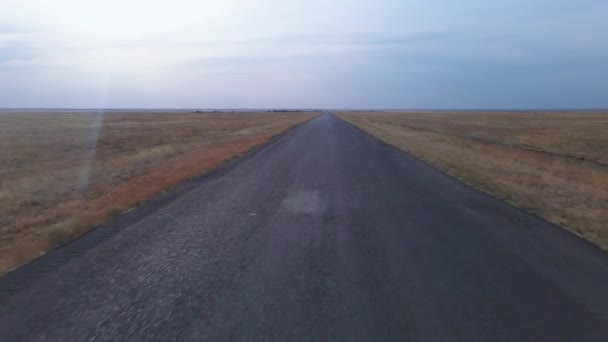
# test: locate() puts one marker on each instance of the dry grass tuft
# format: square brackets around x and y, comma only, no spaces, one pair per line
[62,174]
[552,164]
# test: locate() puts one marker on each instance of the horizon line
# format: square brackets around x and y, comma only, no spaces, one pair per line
[308,108]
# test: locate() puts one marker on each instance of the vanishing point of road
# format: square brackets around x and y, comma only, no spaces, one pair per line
[324,234]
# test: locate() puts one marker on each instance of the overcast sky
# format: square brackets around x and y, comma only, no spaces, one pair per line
[308,53]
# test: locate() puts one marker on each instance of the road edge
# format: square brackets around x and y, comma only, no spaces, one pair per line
[485,192]
[21,276]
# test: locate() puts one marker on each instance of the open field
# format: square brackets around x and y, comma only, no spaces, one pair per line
[554,164]
[63,173]
[326,232]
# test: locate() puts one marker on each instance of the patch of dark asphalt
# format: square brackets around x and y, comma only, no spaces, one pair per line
[325,234]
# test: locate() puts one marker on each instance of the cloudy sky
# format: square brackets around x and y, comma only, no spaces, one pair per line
[313,53]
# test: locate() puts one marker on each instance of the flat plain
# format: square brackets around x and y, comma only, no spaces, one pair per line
[554,164]
[63,173]
[327,233]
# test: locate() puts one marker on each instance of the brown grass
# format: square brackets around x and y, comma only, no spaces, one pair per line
[62,174]
[552,164]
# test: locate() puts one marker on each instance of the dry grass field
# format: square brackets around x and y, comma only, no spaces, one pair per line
[554,164]
[62,174]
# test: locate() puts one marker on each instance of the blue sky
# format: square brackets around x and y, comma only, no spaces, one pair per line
[334,54]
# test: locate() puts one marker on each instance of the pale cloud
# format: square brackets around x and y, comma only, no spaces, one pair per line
[264,53]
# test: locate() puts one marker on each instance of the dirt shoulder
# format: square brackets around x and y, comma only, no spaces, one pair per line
[62,174]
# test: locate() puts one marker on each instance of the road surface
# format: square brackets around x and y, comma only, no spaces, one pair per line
[325,234]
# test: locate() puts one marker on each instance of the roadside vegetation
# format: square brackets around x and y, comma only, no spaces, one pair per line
[62,174]
[554,164]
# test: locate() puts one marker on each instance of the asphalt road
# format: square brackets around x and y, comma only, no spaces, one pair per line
[325,234]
